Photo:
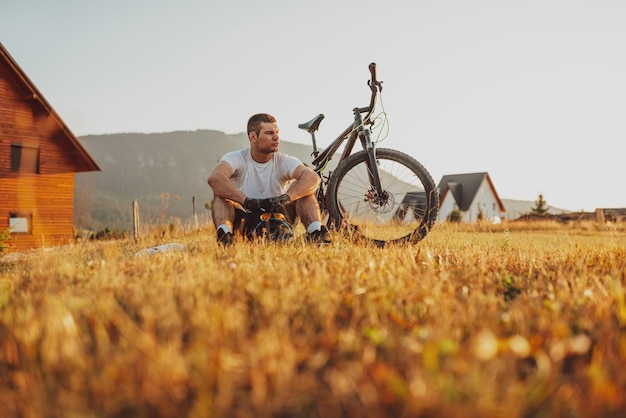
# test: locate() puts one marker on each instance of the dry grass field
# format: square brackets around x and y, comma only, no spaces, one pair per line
[513,320]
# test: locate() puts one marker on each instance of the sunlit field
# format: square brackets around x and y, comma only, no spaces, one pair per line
[510,320]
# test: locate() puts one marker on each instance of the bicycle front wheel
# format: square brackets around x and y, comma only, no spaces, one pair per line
[406,209]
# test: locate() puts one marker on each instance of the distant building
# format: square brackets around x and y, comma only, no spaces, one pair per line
[39,156]
[473,195]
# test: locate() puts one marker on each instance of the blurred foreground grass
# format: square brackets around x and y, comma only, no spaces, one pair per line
[515,321]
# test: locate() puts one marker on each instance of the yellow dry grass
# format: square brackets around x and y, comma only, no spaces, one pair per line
[513,320]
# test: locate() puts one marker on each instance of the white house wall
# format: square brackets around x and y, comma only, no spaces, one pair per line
[447,205]
[484,199]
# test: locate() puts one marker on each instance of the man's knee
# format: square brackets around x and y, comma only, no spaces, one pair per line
[307,202]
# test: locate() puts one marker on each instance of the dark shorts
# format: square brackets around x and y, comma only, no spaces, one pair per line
[246,222]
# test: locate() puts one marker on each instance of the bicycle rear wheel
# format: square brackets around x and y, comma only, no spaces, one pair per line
[405,211]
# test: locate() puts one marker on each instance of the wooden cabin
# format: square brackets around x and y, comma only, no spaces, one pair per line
[39,156]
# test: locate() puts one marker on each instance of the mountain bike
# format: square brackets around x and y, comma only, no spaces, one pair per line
[379,195]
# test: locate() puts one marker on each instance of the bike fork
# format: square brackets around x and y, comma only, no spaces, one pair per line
[322,200]
[368,145]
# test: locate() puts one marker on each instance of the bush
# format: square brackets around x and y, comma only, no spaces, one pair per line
[455,216]
[4,237]
[109,234]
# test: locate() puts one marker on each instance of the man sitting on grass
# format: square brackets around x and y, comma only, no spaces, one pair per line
[246,180]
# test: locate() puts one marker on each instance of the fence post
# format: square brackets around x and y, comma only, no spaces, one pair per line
[135,219]
[600,216]
[195,214]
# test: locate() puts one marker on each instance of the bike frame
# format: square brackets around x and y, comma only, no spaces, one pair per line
[356,130]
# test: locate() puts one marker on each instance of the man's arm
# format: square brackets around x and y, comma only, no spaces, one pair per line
[222,186]
[306,182]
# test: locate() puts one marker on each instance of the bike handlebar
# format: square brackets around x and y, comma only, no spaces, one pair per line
[373,72]
[374,84]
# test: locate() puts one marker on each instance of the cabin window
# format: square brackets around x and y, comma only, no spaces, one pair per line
[25,158]
[20,222]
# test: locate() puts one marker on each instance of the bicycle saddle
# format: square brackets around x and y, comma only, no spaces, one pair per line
[312,125]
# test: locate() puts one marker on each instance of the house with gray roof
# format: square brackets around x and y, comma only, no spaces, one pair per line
[473,194]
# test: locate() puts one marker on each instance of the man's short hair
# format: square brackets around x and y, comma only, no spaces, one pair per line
[254,123]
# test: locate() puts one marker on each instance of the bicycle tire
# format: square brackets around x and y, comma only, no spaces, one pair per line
[408,187]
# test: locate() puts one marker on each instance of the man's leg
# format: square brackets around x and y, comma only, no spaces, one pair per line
[308,210]
[223,214]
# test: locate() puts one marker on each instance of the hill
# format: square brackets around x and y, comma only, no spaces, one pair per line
[163,171]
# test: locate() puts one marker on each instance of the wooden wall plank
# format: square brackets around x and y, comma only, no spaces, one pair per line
[50,200]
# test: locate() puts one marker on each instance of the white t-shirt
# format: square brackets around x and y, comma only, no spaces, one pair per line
[261,180]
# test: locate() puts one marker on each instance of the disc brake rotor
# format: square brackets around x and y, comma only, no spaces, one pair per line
[380,203]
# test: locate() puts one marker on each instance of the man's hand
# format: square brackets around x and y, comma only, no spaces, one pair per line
[275,203]
[252,205]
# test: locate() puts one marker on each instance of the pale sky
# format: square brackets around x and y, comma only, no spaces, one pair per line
[532,92]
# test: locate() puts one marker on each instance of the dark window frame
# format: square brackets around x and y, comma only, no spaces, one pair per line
[24,152]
